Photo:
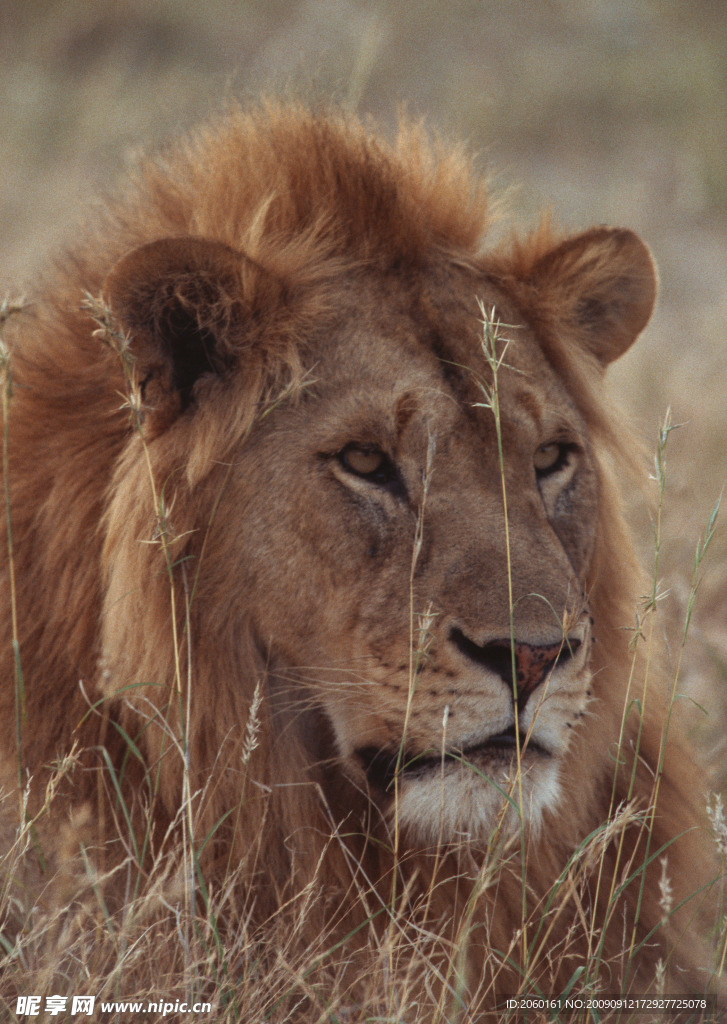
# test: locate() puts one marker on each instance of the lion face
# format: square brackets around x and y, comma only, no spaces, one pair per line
[384,577]
[414,528]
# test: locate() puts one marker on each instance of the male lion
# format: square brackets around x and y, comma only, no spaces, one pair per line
[320,560]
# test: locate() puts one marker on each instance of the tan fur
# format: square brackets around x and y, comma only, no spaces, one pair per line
[293,286]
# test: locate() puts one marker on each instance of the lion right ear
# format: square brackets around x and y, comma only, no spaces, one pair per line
[602,284]
[181,301]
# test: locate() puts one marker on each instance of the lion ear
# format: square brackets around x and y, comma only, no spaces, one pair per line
[603,282]
[180,300]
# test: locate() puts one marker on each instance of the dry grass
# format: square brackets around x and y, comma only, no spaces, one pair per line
[251,975]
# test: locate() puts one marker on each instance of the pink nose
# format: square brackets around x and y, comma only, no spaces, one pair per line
[533,664]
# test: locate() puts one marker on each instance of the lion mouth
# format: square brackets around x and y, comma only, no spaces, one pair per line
[384,766]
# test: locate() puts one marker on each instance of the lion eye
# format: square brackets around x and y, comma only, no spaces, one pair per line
[549,457]
[366,462]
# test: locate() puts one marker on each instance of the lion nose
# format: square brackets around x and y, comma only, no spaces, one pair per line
[533,663]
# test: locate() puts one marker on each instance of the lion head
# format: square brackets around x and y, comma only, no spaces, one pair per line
[414,531]
[357,554]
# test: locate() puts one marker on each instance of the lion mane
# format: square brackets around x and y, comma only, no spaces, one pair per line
[264,582]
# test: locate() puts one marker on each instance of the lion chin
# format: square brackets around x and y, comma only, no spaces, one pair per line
[466,803]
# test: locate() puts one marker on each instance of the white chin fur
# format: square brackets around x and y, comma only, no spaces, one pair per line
[459,804]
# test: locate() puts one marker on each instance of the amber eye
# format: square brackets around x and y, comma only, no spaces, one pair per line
[366,462]
[549,457]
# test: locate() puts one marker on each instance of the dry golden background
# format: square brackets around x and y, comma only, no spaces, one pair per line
[607,111]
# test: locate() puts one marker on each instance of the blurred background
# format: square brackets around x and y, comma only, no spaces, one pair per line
[605,111]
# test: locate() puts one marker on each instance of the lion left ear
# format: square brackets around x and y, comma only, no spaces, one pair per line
[180,299]
[604,283]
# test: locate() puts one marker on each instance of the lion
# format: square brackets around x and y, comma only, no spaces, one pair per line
[321,556]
